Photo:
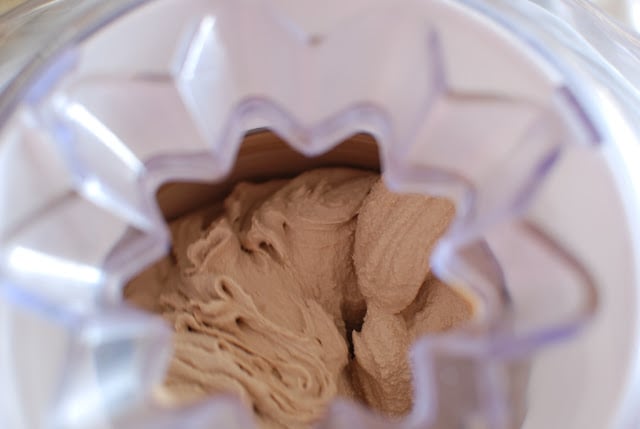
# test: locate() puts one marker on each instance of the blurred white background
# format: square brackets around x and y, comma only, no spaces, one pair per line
[625,10]
[618,8]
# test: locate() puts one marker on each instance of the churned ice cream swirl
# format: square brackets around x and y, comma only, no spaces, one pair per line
[224,344]
[296,291]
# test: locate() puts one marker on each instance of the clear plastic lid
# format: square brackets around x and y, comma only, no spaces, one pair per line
[467,99]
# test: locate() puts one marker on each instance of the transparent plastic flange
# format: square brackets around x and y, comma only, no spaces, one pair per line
[165,91]
[588,40]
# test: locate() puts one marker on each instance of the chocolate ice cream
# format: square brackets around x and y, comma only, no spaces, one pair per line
[292,292]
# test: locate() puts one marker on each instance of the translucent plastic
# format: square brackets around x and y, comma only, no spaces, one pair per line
[164,91]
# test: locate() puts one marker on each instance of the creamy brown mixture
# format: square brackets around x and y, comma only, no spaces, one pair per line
[295,291]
